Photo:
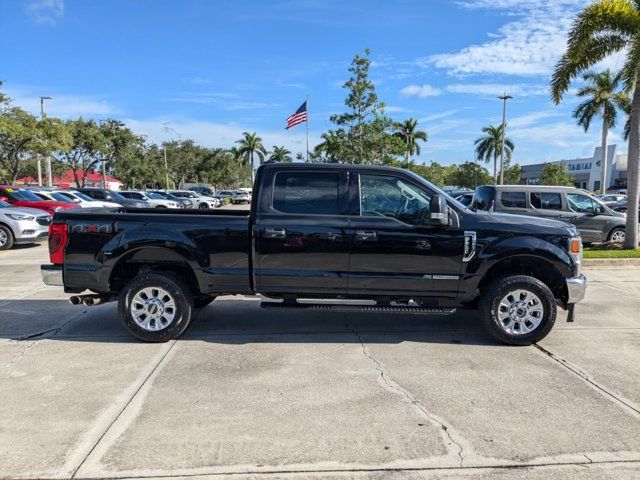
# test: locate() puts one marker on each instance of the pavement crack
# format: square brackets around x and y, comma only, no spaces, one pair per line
[587,378]
[392,385]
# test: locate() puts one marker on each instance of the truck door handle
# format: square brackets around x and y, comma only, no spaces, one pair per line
[275,233]
[366,235]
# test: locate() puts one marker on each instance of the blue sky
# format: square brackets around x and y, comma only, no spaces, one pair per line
[212,69]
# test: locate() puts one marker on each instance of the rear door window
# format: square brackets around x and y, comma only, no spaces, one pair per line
[546,200]
[306,192]
[513,199]
[484,198]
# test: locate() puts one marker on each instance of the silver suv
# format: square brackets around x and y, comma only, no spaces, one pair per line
[594,220]
[22,225]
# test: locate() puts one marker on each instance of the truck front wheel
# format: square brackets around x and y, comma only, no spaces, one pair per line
[518,309]
[156,306]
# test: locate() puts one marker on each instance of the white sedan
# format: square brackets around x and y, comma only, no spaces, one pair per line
[71,196]
[203,203]
[156,201]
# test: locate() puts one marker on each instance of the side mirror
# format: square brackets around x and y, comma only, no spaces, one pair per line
[438,211]
[4,198]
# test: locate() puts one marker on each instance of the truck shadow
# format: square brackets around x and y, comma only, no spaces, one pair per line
[235,321]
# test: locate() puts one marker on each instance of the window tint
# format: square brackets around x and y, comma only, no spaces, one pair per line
[581,203]
[484,198]
[387,196]
[513,199]
[99,194]
[306,192]
[546,201]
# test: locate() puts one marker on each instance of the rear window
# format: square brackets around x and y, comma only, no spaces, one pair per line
[513,199]
[306,192]
[484,198]
[546,201]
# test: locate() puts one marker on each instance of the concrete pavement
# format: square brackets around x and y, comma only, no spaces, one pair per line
[264,394]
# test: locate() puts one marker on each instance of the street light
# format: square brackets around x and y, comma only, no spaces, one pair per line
[49,180]
[504,99]
[167,128]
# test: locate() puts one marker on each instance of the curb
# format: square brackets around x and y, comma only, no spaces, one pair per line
[610,262]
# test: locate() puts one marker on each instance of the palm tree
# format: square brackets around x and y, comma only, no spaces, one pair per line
[251,144]
[604,100]
[490,146]
[603,28]
[330,146]
[410,136]
[280,154]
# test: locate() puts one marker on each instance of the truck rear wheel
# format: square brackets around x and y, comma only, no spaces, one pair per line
[518,309]
[156,307]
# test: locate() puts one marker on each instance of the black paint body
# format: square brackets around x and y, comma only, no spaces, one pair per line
[331,256]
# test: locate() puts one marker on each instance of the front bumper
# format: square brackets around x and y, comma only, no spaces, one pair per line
[576,288]
[30,231]
[52,275]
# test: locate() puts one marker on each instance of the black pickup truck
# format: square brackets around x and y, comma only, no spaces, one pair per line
[380,235]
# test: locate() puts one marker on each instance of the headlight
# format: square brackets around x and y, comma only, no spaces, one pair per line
[575,250]
[15,216]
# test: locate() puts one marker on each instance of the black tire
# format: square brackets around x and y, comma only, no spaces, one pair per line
[203,206]
[614,235]
[203,300]
[498,290]
[182,309]
[6,238]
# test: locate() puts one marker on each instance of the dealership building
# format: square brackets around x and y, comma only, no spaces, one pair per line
[586,171]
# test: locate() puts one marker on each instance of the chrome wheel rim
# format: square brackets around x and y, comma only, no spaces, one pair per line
[153,309]
[520,312]
[618,236]
[4,238]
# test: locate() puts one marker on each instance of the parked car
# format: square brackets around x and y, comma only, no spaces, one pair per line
[155,200]
[466,198]
[71,196]
[595,221]
[622,206]
[609,198]
[204,190]
[22,225]
[234,196]
[200,202]
[113,196]
[336,232]
[182,202]
[21,197]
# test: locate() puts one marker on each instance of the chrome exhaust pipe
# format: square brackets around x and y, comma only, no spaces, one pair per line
[75,300]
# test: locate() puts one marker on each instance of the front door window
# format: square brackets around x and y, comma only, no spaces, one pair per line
[387,196]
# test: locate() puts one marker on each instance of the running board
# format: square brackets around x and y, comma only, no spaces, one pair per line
[359,308]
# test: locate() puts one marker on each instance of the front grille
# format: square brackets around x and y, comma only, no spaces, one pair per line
[45,220]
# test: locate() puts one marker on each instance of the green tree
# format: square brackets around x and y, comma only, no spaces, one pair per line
[280,154]
[490,146]
[330,148]
[555,174]
[468,175]
[603,99]
[512,175]
[364,131]
[85,149]
[251,145]
[601,29]
[409,134]
[18,138]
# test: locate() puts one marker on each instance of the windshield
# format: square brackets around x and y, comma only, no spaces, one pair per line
[80,195]
[155,196]
[24,195]
[4,204]
[61,197]
[115,195]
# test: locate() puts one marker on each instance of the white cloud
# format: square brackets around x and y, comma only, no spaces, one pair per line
[528,45]
[46,12]
[225,101]
[532,118]
[437,116]
[420,91]
[518,90]
[61,105]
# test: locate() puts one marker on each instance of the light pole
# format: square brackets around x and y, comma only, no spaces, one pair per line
[504,99]
[49,181]
[167,128]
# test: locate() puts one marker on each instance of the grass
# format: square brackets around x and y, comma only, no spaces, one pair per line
[610,250]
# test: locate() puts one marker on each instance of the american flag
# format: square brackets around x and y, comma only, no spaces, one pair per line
[297,118]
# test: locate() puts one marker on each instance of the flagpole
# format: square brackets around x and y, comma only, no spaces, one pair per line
[306,100]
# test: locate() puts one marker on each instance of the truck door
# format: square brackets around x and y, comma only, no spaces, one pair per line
[301,232]
[395,251]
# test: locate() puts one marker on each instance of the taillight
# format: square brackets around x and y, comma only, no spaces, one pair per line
[57,242]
